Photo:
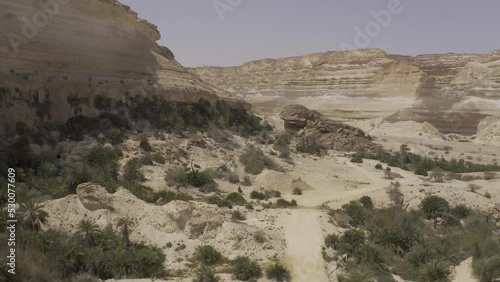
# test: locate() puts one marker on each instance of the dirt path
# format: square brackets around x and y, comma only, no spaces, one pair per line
[304,239]
[463,272]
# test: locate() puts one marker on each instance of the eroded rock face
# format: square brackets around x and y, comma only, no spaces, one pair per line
[94,197]
[453,92]
[297,117]
[488,130]
[87,57]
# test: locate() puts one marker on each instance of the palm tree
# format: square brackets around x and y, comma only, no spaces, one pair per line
[127,224]
[436,271]
[88,231]
[33,216]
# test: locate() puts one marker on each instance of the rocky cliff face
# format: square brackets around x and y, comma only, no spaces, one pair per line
[58,58]
[451,91]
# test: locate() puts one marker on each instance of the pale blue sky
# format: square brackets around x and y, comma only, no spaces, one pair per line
[257,29]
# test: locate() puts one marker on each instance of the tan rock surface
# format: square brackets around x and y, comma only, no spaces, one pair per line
[488,130]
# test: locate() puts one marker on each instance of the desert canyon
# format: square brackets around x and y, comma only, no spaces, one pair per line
[265,161]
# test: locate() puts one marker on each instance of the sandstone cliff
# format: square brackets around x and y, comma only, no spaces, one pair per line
[59,57]
[451,91]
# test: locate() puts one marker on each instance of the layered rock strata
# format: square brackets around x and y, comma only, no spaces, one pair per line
[59,58]
[453,92]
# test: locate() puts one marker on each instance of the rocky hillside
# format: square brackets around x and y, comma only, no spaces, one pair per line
[451,91]
[62,59]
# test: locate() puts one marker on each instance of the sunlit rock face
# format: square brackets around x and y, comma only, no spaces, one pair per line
[453,92]
[57,57]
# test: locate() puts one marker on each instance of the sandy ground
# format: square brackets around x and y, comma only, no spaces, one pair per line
[463,272]
[296,235]
[304,240]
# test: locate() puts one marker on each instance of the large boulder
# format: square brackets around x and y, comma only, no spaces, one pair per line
[297,117]
[333,135]
[94,197]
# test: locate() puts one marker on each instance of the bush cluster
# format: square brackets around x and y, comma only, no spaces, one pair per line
[417,245]
[255,162]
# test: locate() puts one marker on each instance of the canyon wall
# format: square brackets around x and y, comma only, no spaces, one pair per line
[59,57]
[453,92]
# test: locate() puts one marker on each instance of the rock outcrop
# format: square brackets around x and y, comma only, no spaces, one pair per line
[453,92]
[297,116]
[60,59]
[94,197]
[181,225]
[488,130]
[330,134]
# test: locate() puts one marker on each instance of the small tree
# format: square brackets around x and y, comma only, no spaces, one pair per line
[434,207]
[89,231]
[127,224]
[32,216]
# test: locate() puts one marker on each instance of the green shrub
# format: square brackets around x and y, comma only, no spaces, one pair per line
[246,124]
[206,274]
[256,195]
[296,191]
[356,212]
[435,270]
[272,194]
[367,202]
[214,200]
[132,172]
[487,269]
[282,203]
[421,171]
[351,240]
[451,220]
[238,216]
[234,178]
[434,206]
[461,211]
[379,167]
[236,199]
[362,274]
[254,161]
[309,146]
[159,158]
[278,272]
[243,269]
[246,181]
[259,237]
[207,255]
[144,143]
[168,196]
[282,144]
[332,241]
[198,179]
[420,254]
[357,159]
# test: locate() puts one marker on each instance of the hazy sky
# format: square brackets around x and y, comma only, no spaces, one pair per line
[244,30]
